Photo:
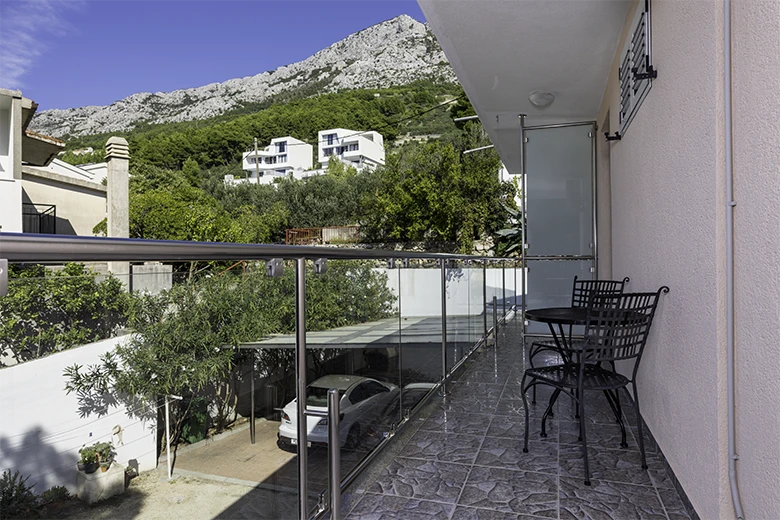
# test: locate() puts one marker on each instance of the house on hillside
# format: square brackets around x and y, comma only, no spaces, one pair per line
[283,157]
[357,149]
[42,194]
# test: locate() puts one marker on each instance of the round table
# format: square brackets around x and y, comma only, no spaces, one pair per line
[559,317]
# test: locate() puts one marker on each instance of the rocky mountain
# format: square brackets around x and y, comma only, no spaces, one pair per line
[397,51]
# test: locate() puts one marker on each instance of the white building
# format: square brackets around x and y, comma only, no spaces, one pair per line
[283,157]
[358,149]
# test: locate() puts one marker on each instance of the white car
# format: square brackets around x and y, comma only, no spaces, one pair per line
[361,404]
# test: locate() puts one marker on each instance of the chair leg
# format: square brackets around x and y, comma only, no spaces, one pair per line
[531,355]
[611,399]
[548,411]
[581,407]
[639,426]
[523,387]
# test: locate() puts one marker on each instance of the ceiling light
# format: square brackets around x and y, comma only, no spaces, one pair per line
[541,99]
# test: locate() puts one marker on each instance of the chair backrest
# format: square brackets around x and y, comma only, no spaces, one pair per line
[584,289]
[619,324]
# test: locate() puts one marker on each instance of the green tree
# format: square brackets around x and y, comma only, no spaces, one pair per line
[47,311]
[191,171]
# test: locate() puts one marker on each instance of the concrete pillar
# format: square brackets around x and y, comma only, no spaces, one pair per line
[16,135]
[118,203]
[118,158]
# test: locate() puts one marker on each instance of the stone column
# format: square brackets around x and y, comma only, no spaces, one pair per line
[118,203]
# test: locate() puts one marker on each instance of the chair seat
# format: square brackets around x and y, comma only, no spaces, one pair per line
[565,376]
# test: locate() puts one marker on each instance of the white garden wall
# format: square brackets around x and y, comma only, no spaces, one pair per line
[420,290]
[41,428]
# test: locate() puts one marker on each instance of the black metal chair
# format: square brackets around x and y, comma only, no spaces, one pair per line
[581,292]
[617,329]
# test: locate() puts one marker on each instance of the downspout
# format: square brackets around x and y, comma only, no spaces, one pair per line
[730,203]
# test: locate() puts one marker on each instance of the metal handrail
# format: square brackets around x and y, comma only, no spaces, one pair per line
[39,248]
[19,247]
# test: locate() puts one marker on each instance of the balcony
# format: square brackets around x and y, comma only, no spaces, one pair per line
[400,327]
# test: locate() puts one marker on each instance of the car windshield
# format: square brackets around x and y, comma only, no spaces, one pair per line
[318,396]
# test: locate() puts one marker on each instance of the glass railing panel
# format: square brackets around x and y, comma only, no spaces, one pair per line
[457,311]
[420,322]
[476,304]
[550,285]
[352,342]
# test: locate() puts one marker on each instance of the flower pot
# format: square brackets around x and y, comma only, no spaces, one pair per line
[80,465]
[90,467]
[104,466]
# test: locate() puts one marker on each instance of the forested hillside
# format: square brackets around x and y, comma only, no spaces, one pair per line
[427,191]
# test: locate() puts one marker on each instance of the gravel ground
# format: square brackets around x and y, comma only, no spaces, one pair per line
[151,496]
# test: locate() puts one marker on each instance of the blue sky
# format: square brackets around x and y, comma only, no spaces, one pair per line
[70,53]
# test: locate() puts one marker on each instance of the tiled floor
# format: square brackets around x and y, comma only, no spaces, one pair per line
[465,460]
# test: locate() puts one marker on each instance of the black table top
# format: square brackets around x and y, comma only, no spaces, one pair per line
[559,315]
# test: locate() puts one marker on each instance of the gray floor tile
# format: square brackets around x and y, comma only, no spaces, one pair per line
[384,507]
[542,457]
[445,447]
[423,479]
[613,465]
[598,435]
[673,504]
[514,428]
[472,513]
[457,422]
[608,501]
[511,491]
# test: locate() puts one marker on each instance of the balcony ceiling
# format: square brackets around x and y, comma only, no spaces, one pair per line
[502,50]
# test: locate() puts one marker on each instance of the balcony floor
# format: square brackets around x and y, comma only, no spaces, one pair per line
[461,457]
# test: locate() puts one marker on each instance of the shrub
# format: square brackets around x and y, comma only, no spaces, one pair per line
[54,494]
[16,497]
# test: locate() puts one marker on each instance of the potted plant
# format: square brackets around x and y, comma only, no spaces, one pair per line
[105,452]
[89,459]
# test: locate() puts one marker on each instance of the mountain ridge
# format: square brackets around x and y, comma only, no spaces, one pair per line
[394,52]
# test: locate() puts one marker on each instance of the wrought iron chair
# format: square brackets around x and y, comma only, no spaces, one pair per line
[580,297]
[617,329]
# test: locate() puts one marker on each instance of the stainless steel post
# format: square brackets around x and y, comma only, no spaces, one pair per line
[300,375]
[503,289]
[252,404]
[514,277]
[495,320]
[443,388]
[334,454]
[484,298]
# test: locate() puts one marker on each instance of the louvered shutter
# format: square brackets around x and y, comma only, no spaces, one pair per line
[636,71]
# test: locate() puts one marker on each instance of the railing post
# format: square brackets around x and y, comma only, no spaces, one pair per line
[300,375]
[334,454]
[252,402]
[514,276]
[443,388]
[503,289]
[495,320]
[484,299]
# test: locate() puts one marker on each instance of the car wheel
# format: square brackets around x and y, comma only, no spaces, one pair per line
[353,437]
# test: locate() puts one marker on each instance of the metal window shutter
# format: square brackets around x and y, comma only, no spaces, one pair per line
[635,70]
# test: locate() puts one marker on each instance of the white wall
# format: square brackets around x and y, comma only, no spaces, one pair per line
[420,290]
[41,429]
[667,228]
[10,205]
[756,52]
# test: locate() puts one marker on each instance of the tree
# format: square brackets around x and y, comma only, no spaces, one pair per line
[191,171]
[48,311]
[185,339]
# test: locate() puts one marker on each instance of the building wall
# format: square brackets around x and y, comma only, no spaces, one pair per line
[42,431]
[756,109]
[667,228]
[10,186]
[80,205]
